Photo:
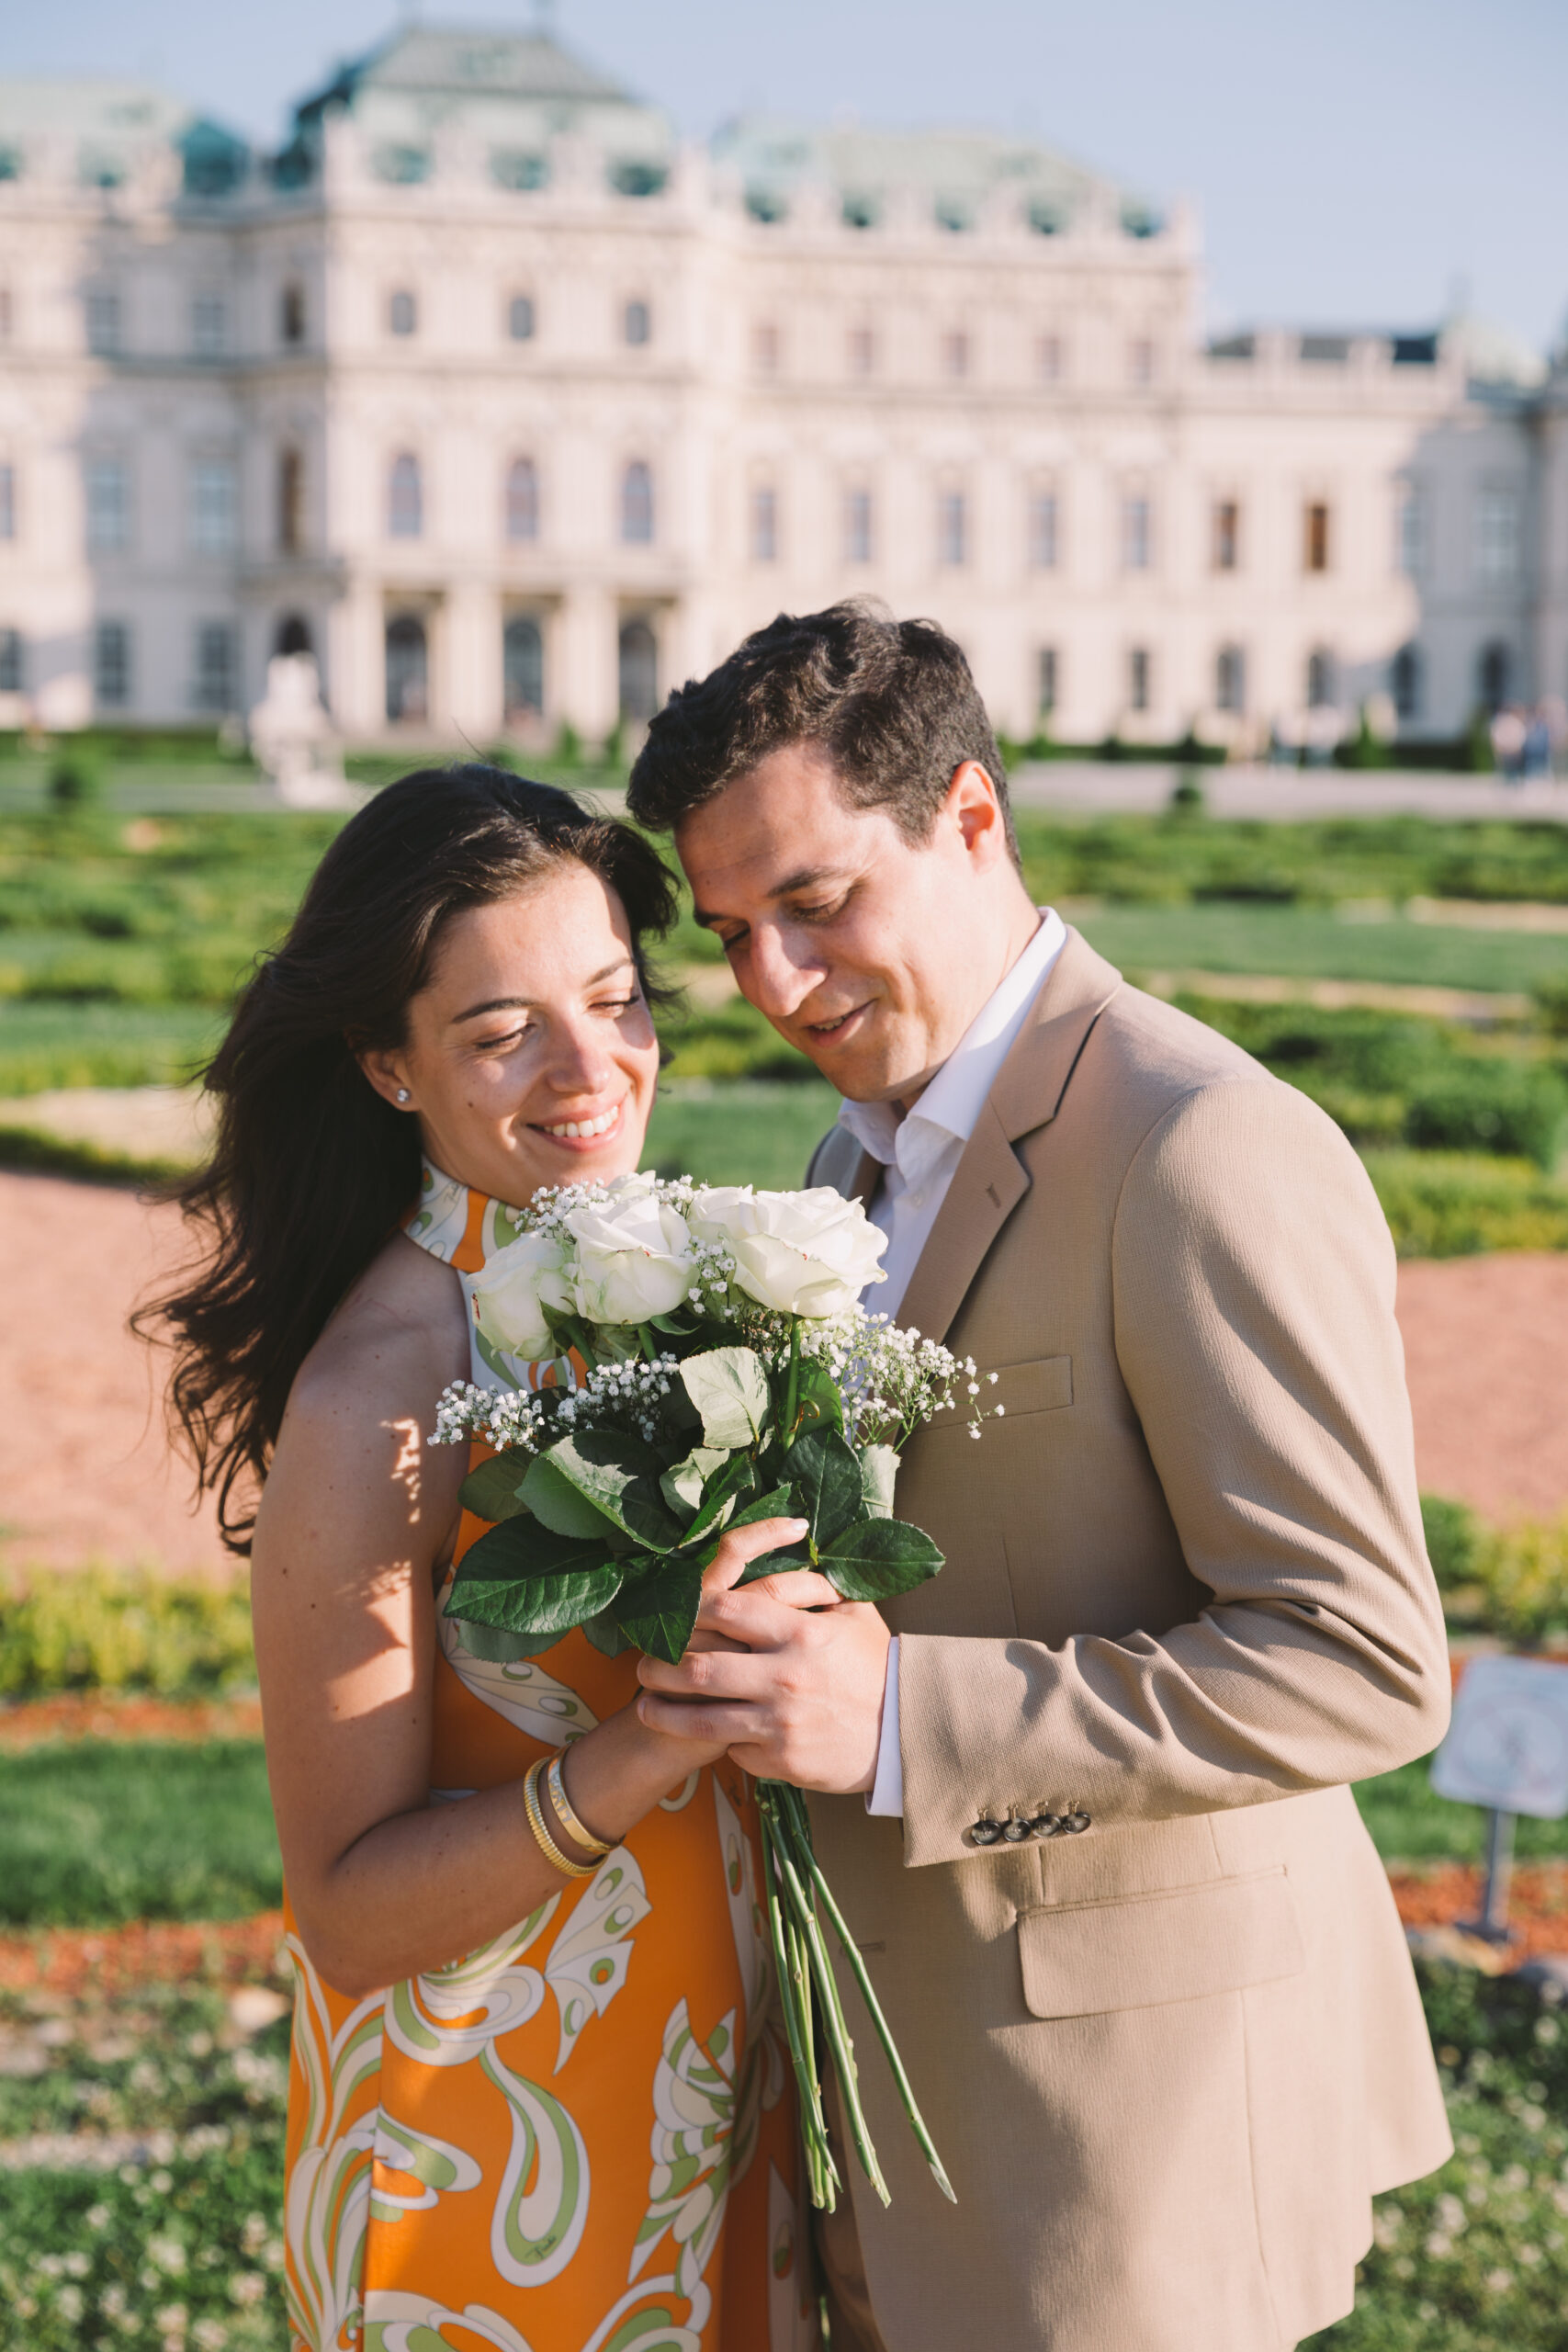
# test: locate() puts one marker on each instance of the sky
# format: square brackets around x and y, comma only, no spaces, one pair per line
[1354,162]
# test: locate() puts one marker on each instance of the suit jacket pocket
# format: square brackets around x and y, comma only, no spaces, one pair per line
[1080,1958]
[1042,1387]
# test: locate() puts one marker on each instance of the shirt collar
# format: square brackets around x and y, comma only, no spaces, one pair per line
[946,1111]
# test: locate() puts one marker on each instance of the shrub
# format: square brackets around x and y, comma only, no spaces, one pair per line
[1450,1205]
[1522,1574]
[97,1629]
[1487,1104]
[1552,1004]
[1453,1540]
[73,778]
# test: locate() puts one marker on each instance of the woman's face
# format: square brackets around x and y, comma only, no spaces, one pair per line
[531,1058]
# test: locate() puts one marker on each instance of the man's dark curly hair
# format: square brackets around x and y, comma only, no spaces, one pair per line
[890,702]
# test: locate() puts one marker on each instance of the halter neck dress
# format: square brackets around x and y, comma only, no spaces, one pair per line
[581,2137]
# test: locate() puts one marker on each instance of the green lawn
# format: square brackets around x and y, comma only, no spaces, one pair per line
[1315,943]
[745,1131]
[1410,1824]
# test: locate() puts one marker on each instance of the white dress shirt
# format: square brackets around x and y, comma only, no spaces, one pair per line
[920,1155]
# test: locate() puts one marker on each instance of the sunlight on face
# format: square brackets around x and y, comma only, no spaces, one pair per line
[531,1058]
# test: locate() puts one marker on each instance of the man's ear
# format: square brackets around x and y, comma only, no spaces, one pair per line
[384,1068]
[972,805]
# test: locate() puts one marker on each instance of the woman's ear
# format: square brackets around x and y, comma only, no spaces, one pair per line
[384,1069]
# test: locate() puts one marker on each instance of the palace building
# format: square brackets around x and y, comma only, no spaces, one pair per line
[515,410]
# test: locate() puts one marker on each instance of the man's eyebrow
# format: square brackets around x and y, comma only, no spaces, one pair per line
[525,1003]
[808,878]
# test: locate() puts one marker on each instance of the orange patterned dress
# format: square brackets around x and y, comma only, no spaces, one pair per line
[581,2137]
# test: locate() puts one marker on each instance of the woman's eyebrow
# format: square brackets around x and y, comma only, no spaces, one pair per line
[526,1003]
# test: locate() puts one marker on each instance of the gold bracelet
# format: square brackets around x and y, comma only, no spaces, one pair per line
[542,1838]
[570,1820]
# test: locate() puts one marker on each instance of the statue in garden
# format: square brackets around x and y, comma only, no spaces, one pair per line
[292,737]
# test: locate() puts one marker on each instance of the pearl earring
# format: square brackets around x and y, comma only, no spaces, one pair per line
[402,1095]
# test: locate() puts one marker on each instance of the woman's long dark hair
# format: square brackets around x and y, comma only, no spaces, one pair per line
[311,1169]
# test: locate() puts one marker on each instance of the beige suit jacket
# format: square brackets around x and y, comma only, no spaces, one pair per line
[1169,2060]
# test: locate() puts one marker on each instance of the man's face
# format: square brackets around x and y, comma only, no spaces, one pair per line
[870,952]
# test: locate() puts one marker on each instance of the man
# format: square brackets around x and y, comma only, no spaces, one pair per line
[1083,1796]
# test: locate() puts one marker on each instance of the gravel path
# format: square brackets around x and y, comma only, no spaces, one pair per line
[86,1473]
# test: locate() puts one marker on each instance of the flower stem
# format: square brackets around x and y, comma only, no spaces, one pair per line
[795,1994]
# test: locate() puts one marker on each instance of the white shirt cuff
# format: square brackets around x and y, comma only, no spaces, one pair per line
[888,1790]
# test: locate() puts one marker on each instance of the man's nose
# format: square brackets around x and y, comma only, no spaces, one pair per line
[774,977]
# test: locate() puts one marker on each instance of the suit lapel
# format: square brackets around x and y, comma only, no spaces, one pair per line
[990,1180]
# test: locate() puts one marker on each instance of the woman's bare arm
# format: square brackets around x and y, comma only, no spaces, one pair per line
[357,1511]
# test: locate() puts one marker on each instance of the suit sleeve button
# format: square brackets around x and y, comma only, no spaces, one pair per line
[1047,1824]
[1015,1831]
[985,1832]
[1075,1822]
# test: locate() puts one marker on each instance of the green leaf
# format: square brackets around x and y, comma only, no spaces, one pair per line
[551,1605]
[681,1487]
[658,1610]
[827,1476]
[498,1647]
[558,1502]
[782,1503]
[618,1475]
[879,1559]
[493,1491]
[732,1484]
[878,1471]
[607,1635]
[523,1547]
[730,1389]
[816,1399]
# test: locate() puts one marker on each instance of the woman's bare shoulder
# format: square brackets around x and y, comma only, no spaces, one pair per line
[397,1340]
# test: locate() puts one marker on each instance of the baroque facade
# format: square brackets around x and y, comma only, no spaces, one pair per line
[515,410]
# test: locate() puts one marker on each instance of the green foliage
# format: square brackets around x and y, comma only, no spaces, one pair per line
[97,1629]
[1453,1540]
[1552,1004]
[1451,1204]
[185,1833]
[1408,1822]
[73,778]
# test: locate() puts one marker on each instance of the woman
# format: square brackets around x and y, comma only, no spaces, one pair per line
[535,2103]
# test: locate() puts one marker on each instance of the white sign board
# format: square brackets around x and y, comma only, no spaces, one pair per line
[1508,1744]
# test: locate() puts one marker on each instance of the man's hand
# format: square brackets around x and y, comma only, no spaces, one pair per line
[794,1682]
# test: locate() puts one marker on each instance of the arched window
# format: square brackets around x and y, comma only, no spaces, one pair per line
[638,672]
[764,523]
[405,498]
[291,314]
[636,323]
[402,312]
[522,667]
[407,667]
[1230,679]
[1405,680]
[523,499]
[636,505]
[1493,675]
[293,635]
[520,318]
[953,527]
[1321,686]
[290,500]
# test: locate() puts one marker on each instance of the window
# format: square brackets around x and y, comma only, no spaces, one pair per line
[953,527]
[765,347]
[1410,531]
[523,668]
[956,354]
[862,350]
[108,505]
[405,498]
[7,501]
[213,685]
[1226,545]
[1320,685]
[522,500]
[764,525]
[103,321]
[12,667]
[7,315]
[520,318]
[290,502]
[402,166]
[1140,360]
[520,168]
[859,211]
[636,323]
[634,176]
[212,505]
[1137,536]
[636,505]
[208,326]
[1497,537]
[1138,672]
[402,312]
[291,314]
[1050,359]
[111,662]
[638,654]
[1048,671]
[1404,681]
[857,527]
[294,635]
[1314,536]
[1230,679]
[1495,677]
[408,666]
[1043,530]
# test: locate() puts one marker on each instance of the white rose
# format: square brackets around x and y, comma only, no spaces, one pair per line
[511,1294]
[631,1257]
[803,1253]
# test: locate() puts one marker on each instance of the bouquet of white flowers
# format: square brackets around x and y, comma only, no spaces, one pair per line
[673,1360]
